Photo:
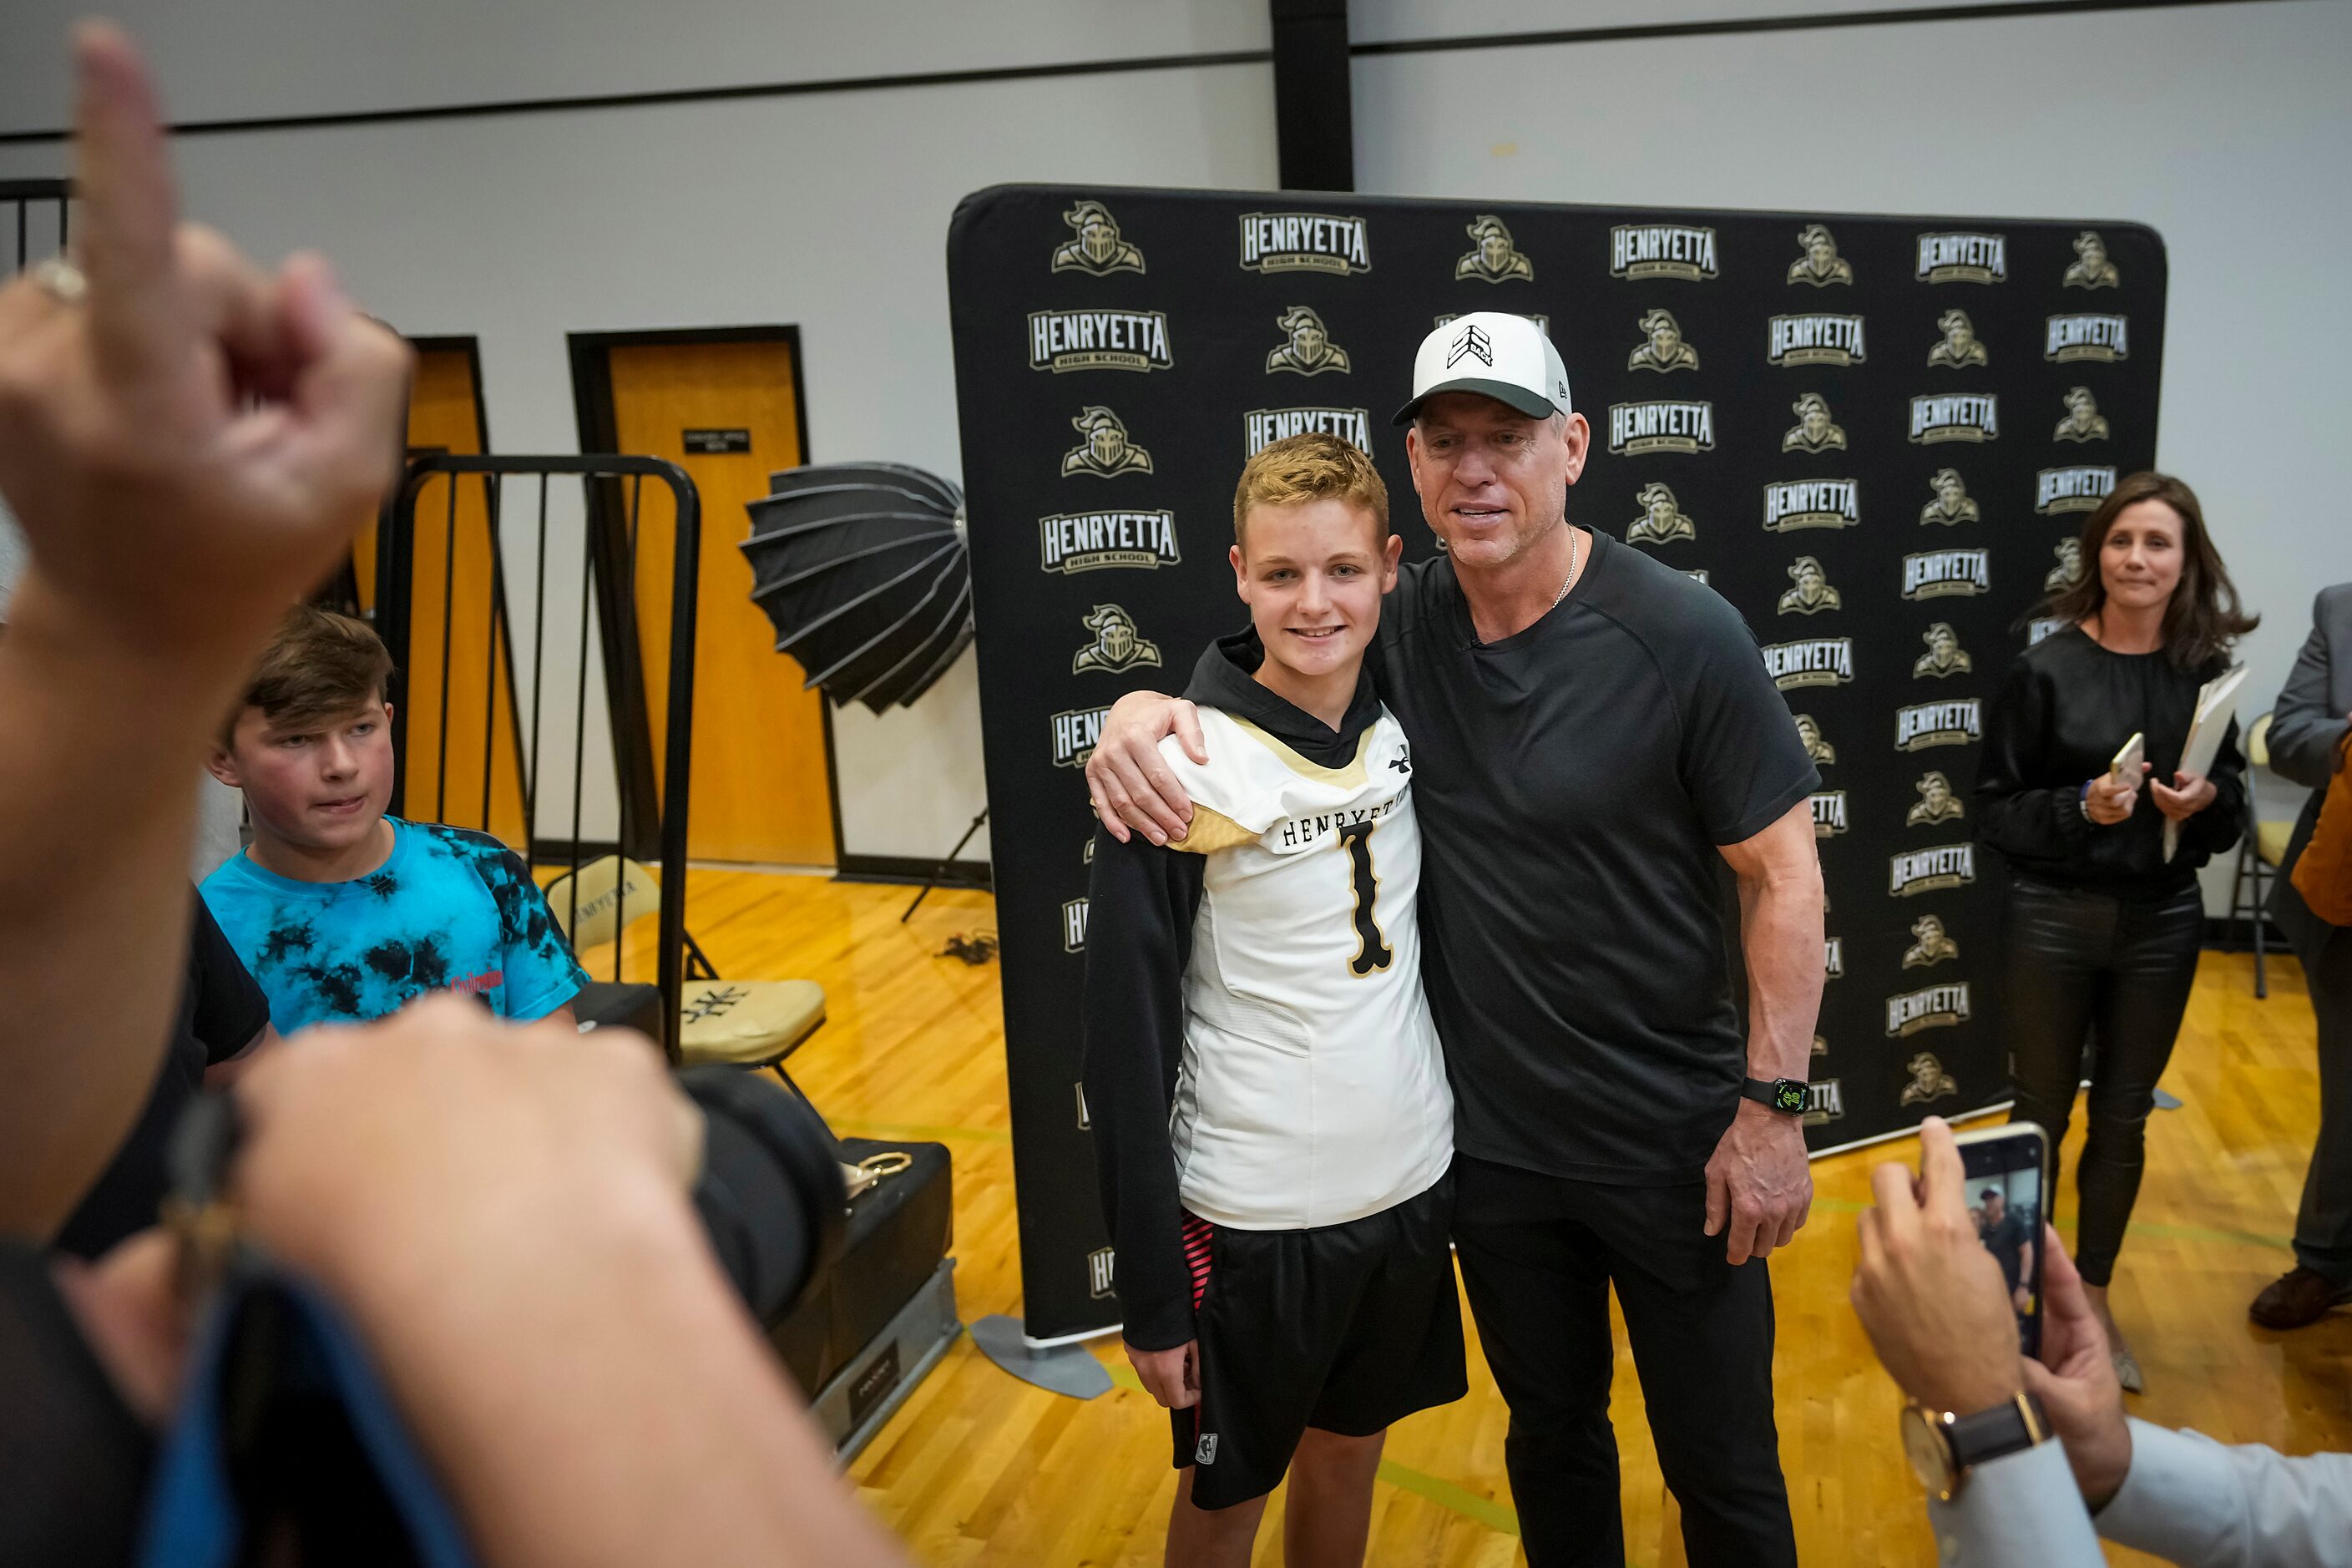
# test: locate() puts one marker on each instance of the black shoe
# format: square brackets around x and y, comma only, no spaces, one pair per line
[2298,1299]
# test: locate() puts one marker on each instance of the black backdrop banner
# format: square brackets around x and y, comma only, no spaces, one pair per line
[1876,436]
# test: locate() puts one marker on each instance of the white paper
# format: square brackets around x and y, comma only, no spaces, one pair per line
[2217,704]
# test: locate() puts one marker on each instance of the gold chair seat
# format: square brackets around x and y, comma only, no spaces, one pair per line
[2270,840]
[748,1023]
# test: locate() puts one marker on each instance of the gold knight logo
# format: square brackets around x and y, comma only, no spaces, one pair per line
[1930,946]
[2069,569]
[2084,422]
[1662,522]
[1945,656]
[1957,348]
[1664,347]
[2090,268]
[1115,647]
[1937,803]
[1309,349]
[1495,259]
[1813,592]
[1103,449]
[1096,247]
[1951,504]
[1808,734]
[1928,1081]
[1821,266]
[1813,431]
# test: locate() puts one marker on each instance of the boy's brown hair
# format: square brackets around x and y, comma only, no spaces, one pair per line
[319,665]
[1311,467]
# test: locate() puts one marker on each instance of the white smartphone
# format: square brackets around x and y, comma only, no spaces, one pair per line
[2124,769]
[2006,1166]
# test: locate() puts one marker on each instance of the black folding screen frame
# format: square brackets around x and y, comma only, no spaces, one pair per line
[653,817]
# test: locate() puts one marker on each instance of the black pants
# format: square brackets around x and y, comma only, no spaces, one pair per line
[2080,963]
[2322,1229]
[1538,1254]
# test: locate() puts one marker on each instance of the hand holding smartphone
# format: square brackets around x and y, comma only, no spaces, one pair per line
[2005,1167]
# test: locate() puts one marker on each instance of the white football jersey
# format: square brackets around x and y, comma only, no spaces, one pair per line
[1311,1090]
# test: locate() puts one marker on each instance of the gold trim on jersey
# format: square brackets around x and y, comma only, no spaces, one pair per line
[1211,831]
[1349,777]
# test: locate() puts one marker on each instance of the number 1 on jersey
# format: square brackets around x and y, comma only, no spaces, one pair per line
[1372,950]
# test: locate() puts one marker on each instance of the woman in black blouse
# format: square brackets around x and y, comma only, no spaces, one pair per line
[2103,930]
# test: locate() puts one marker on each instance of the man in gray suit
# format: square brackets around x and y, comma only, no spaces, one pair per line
[2307,727]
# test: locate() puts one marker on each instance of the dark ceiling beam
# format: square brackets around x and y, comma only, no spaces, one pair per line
[1314,120]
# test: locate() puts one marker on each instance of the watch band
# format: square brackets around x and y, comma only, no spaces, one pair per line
[1956,1444]
[1787,1095]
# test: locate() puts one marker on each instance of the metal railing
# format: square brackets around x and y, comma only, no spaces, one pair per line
[652,814]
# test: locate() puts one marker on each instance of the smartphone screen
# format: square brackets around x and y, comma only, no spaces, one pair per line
[2004,1166]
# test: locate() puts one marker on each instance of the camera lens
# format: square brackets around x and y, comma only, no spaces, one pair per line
[771,1193]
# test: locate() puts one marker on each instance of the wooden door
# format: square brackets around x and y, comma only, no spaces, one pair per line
[462,760]
[760,793]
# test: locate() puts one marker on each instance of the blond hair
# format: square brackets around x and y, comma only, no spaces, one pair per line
[319,665]
[1312,467]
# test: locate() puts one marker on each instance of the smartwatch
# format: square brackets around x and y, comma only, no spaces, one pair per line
[1944,1447]
[1781,1093]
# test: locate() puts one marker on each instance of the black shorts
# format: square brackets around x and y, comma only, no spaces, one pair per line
[1348,1328]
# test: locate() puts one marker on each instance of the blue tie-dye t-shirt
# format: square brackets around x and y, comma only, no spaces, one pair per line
[450,910]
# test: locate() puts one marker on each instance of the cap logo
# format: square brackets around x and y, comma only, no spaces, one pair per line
[1470,341]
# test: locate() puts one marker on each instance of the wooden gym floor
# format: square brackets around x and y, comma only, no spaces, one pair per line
[978,1467]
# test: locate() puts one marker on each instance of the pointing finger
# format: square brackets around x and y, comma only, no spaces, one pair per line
[128,207]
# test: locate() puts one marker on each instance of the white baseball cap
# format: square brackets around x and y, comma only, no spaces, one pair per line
[1493,352]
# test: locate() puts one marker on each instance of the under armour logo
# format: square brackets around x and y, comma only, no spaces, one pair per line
[1471,341]
[1204,1452]
[1399,765]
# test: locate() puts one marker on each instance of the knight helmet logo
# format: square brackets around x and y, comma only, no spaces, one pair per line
[1117,646]
[1103,449]
[1945,656]
[1951,504]
[1957,348]
[1663,347]
[1306,348]
[1813,431]
[1495,260]
[1820,265]
[1662,522]
[1937,803]
[2090,268]
[2084,422]
[1930,945]
[1928,1081]
[1809,732]
[1812,593]
[2068,571]
[1095,247]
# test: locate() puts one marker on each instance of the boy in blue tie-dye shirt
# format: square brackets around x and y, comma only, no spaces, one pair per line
[340,912]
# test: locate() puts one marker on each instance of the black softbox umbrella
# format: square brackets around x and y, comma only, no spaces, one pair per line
[864,570]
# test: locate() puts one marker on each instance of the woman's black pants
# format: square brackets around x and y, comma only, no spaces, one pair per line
[2113,971]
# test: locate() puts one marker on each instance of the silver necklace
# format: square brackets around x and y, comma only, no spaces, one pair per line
[1555,598]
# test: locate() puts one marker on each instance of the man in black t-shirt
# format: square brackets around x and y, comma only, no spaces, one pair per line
[2005,1236]
[1594,737]
[223,1017]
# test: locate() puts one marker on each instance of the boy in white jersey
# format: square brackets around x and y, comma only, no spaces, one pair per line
[1272,1122]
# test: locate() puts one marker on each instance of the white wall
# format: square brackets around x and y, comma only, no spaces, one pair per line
[830,212]
[2224,127]
[236,60]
